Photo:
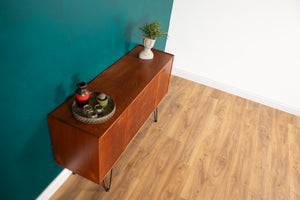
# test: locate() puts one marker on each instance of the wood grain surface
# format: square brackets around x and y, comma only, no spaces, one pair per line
[136,86]
[207,144]
[123,81]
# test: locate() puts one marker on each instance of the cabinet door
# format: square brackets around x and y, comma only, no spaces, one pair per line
[163,82]
[112,145]
[140,109]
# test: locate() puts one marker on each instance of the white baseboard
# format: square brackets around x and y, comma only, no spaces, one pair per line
[54,185]
[236,91]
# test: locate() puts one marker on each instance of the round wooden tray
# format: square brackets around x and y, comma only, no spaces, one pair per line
[108,112]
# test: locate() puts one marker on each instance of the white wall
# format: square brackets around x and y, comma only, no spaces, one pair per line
[250,48]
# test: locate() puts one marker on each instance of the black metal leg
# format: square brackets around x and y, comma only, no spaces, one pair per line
[155,115]
[109,185]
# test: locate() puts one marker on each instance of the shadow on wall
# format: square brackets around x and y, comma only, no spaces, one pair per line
[32,158]
[62,94]
[35,153]
[132,33]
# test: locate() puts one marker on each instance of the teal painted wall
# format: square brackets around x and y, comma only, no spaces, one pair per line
[46,47]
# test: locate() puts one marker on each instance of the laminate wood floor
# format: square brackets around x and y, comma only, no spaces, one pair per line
[207,144]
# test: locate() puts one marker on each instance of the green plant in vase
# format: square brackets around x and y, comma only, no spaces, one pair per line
[151,32]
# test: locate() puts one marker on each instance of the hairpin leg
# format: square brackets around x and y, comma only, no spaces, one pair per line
[109,185]
[155,115]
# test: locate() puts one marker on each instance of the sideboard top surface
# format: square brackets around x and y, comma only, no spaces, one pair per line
[122,81]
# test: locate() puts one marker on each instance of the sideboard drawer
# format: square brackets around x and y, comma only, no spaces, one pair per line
[163,83]
[140,109]
[112,145]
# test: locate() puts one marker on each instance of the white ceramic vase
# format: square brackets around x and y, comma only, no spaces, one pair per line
[147,54]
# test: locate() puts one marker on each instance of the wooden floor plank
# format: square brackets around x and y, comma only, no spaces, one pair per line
[294,158]
[279,186]
[207,144]
[260,171]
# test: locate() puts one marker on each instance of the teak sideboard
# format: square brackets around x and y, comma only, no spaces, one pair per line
[137,86]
